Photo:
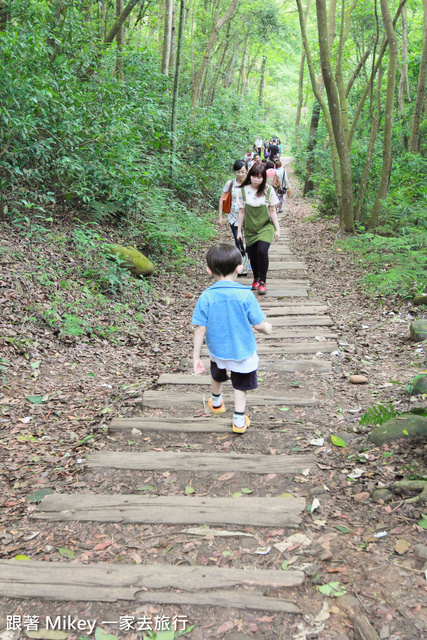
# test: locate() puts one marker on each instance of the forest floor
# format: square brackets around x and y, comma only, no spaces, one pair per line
[58,396]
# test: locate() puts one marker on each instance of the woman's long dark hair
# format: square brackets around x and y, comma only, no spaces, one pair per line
[256,170]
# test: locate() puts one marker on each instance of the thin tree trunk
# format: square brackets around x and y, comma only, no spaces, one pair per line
[243,74]
[301,85]
[344,31]
[388,114]
[357,70]
[369,84]
[370,151]
[229,70]
[176,81]
[346,208]
[314,124]
[317,90]
[215,78]
[60,12]
[172,55]
[119,21]
[4,14]
[403,82]
[216,27]
[119,40]
[262,81]
[421,89]
[167,36]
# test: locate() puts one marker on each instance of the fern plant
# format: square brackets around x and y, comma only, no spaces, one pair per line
[378,414]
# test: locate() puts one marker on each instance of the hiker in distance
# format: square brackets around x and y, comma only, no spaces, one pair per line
[225,313]
[258,219]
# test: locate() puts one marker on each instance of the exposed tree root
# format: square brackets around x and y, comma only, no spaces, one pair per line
[413,485]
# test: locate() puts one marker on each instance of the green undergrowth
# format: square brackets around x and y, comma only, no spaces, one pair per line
[394,266]
[77,291]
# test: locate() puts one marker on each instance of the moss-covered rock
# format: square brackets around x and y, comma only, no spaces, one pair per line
[132,259]
[419,385]
[418,300]
[418,330]
[407,425]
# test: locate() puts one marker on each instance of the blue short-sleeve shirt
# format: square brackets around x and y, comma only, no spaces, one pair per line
[228,310]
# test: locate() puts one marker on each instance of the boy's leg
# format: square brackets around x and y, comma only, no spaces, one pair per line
[242,382]
[219,376]
[239,401]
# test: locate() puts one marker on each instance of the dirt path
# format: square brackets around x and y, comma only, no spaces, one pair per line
[169,514]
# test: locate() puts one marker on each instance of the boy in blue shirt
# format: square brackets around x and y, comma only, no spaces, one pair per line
[226,313]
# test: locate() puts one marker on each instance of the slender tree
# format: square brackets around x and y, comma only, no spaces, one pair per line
[176,81]
[216,27]
[167,36]
[388,114]
[421,88]
[338,126]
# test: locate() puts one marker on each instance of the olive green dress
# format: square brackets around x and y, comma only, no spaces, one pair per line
[257,224]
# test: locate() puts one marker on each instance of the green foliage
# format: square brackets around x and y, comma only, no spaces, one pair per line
[378,414]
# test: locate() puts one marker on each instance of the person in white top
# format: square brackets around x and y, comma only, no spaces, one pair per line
[258,144]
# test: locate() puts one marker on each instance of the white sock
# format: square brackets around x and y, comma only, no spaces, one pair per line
[216,400]
[239,419]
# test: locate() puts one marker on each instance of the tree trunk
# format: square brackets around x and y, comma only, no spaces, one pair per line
[301,85]
[215,78]
[172,55]
[176,82]
[357,70]
[167,36]
[403,82]
[119,21]
[243,74]
[60,10]
[314,124]
[4,14]
[262,81]
[119,40]
[346,208]
[421,89]
[370,152]
[216,27]
[388,114]
[229,70]
[369,84]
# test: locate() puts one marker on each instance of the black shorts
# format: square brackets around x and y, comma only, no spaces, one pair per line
[240,381]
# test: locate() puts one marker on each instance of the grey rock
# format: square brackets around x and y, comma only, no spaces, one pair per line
[420,551]
[419,385]
[406,426]
[418,330]
[382,495]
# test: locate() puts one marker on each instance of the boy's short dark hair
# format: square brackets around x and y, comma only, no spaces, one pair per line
[223,259]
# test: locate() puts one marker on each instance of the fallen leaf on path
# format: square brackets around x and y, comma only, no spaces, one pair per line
[402,546]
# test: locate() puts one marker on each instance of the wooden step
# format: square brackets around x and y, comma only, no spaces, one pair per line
[288,292]
[173,510]
[300,321]
[194,399]
[282,334]
[294,347]
[104,582]
[287,265]
[176,425]
[197,461]
[212,424]
[281,308]
[267,365]
[313,366]
[288,283]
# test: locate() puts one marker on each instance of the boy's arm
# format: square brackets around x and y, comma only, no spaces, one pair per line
[199,335]
[264,327]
